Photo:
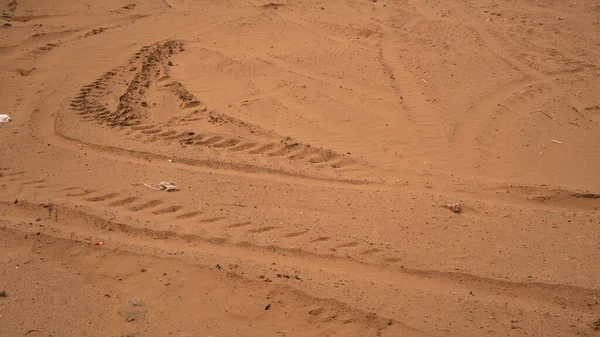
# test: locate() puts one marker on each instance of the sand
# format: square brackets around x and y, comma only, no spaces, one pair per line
[316,146]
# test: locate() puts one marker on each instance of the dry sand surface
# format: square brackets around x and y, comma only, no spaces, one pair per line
[316,145]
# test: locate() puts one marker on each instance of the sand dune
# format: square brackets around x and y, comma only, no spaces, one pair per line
[316,146]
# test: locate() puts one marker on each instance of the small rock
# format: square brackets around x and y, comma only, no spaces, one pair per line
[136,302]
[455,207]
[3,293]
[38,219]
[132,310]
[170,63]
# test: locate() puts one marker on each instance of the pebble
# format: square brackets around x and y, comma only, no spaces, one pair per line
[456,208]
[3,293]
[135,302]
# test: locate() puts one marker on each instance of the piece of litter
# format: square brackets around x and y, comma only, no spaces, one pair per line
[556,141]
[4,119]
[99,243]
[164,186]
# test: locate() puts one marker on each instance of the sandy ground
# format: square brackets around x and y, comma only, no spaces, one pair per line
[316,145]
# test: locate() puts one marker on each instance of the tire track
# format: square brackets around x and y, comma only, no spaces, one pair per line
[352,37]
[420,112]
[209,222]
[468,132]
[224,167]
[548,296]
[131,110]
[309,308]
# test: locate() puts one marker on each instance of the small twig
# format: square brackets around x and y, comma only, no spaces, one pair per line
[477,7]
[237,205]
[152,187]
[547,115]
[555,141]
[163,186]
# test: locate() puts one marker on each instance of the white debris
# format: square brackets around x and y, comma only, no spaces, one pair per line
[4,119]
[163,186]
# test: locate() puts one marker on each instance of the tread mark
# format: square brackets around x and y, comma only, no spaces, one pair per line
[33,182]
[262,229]
[103,197]
[240,224]
[171,209]
[321,239]
[210,220]
[188,215]
[348,245]
[149,204]
[81,194]
[243,147]
[293,235]
[123,202]
[263,149]
[371,251]
[227,143]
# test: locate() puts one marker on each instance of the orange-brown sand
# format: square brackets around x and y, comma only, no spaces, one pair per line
[316,146]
